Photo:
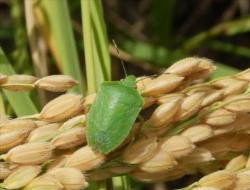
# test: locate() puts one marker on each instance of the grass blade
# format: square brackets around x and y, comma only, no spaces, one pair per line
[99,69]
[100,36]
[156,55]
[97,58]
[20,102]
[229,28]
[88,46]
[229,48]
[2,108]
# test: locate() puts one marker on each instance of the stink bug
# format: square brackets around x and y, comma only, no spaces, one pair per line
[112,114]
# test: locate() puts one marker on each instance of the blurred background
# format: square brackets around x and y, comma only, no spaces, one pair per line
[151,34]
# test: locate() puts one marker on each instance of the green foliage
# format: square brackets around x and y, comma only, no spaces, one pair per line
[161,46]
[100,37]
[229,48]
[229,28]
[157,55]
[97,58]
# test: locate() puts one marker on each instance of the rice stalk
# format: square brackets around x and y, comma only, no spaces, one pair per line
[193,128]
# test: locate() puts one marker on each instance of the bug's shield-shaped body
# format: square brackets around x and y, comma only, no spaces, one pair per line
[112,114]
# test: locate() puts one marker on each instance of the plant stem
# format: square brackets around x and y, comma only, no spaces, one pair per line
[101,39]
[2,108]
[121,183]
[227,28]
[88,46]
[117,183]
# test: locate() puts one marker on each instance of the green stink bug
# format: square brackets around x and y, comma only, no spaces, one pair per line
[112,114]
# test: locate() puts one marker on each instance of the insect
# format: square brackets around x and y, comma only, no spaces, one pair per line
[112,114]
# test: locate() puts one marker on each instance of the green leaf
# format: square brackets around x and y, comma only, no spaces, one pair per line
[57,16]
[226,28]
[229,48]
[157,55]
[224,70]
[97,58]
[20,102]
[100,36]
[88,46]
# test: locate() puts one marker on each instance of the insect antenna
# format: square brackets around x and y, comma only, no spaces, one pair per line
[121,61]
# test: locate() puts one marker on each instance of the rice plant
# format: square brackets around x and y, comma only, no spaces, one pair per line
[77,128]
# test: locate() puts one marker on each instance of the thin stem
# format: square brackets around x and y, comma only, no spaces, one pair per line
[101,39]
[2,108]
[126,183]
[121,183]
[99,69]
[225,28]
[117,183]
